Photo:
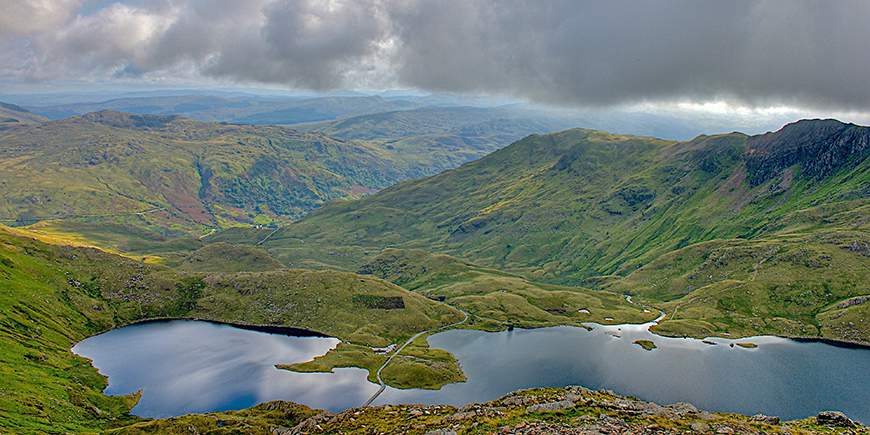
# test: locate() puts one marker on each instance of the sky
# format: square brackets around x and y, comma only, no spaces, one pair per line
[765,55]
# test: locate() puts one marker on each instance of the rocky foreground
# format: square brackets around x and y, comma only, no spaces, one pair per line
[570,410]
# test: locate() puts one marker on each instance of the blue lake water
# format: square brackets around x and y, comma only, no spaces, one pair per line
[186,366]
[190,366]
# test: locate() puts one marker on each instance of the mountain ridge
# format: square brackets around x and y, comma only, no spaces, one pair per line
[655,175]
[677,224]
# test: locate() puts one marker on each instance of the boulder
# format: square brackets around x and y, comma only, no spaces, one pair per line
[551,406]
[700,427]
[834,418]
[682,408]
[766,419]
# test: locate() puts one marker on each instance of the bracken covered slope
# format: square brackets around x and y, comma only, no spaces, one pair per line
[170,174]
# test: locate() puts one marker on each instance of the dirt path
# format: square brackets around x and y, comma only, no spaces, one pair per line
[78,216]
[267,236]
[410,340]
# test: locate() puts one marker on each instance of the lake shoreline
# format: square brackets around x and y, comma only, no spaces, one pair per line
[271,329]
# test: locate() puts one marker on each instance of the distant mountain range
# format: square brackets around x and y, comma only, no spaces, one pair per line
[248,108]
[164,176]
[237,109]
[440,138]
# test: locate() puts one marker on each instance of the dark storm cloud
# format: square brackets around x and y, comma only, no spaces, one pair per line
[796,52]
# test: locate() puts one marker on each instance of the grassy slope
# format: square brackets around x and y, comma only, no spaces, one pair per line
[785,286]
[107,169]
[226,257]
[53,296]
[494,299]
[536,207]
[44,386]
[619,212]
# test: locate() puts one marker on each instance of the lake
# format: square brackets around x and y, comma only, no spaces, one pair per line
[190,366]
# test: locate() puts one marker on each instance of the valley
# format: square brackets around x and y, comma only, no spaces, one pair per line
[434,217]
[729,234]
[575,235]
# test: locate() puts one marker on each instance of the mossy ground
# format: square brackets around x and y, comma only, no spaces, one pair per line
[495,300]
[552,410]
[788,286]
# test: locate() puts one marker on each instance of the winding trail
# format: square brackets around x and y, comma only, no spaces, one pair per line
[390,359]
[77,216]
[268,236]
[658,319]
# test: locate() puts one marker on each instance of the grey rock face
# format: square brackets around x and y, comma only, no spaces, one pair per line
[821,147]
[834,418]
[766,419]
[551,406]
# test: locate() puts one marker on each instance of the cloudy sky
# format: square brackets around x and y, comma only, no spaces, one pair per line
[754,54]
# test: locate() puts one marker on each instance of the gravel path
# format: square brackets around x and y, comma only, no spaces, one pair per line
[390,359]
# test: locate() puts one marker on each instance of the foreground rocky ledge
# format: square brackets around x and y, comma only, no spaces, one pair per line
[570,410]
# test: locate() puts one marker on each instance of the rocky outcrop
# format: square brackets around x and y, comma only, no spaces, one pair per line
[568,410]
[551,406]
[766,419]
[854,301]
[835,419]
[820,147]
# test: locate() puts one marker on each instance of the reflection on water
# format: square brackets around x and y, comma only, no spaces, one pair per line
[190,366]
[781,377]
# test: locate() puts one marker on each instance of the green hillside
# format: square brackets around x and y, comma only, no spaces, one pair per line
[166,176]
[52,296]
[495,299]
[618,212]
[226,257]
[145,183]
